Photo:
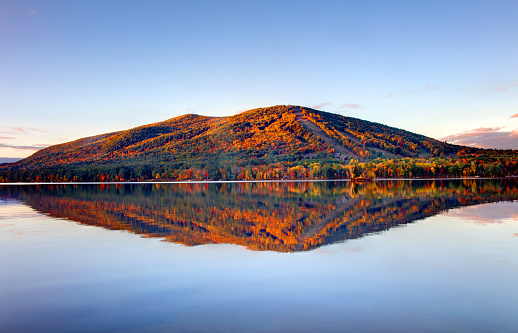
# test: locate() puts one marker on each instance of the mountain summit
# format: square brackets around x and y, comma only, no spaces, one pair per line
[282,136]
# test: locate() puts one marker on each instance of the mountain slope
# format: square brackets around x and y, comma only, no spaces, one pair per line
[220,147]
[280,130]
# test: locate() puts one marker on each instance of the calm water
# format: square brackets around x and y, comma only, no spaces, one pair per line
[388,256]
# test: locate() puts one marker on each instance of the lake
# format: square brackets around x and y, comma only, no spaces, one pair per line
[385,256]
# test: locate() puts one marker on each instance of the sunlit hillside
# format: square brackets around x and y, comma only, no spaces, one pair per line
[269,143]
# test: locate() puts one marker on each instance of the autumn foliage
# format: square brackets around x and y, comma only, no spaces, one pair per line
[280,142]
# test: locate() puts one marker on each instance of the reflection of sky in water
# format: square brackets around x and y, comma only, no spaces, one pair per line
[439,274]
[12,212]
[500,212]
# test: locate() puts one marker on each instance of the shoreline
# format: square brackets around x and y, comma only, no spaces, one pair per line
[249,181]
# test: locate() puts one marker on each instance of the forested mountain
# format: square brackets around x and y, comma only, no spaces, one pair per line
[266,143]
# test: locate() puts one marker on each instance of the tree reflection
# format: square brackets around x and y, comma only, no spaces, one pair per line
[277,216]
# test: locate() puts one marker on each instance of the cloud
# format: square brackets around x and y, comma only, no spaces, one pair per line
[497,87]
[320,105]
[35,147]
[429,86]
[38,130]
[485,137]
[32,12]
[6,137]
[515,116]
[475,93]
[349,106]
[21,130]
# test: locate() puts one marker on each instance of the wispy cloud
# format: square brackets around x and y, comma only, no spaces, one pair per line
[34,147]
[497,87]
[321,105]
[32,12]
[22,130]
[6,137]
[429,86]
[485,137]
[515,116]
[349,106]
[37,130]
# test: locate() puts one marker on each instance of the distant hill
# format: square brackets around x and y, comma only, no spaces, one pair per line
[265,143]
[9,159]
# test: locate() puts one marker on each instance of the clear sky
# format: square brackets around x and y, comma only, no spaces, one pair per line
[71,69]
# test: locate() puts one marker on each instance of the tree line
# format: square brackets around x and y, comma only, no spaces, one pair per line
[328,168]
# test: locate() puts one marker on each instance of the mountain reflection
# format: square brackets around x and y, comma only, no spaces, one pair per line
[278,216]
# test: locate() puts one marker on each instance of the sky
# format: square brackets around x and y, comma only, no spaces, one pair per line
[72,69]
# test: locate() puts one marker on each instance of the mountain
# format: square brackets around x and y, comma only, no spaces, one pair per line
[266,143]
[9,159]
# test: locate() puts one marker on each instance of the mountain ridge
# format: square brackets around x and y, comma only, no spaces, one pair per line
[282,136]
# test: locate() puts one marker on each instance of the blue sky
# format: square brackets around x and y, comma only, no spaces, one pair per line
[71,69]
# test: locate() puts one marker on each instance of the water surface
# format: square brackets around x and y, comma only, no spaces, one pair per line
[431,256]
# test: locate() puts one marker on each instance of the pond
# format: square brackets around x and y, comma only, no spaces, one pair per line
[384,256]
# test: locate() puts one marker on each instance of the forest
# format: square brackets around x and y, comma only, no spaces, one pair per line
[280,142]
